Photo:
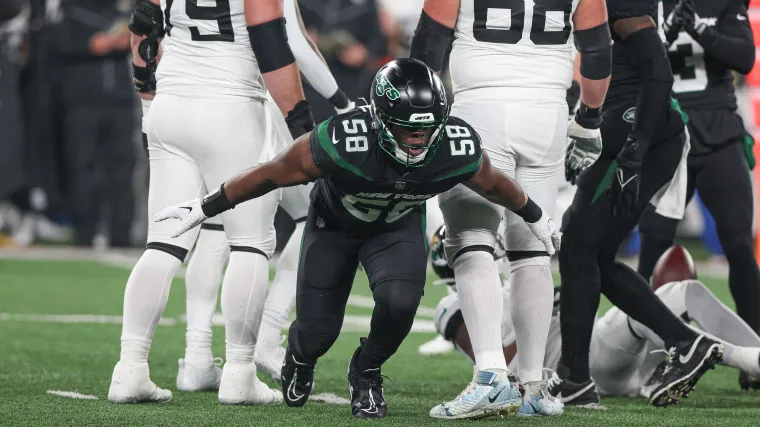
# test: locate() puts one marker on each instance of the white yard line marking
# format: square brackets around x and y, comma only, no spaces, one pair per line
[350,323]
[329,398]
[73,394]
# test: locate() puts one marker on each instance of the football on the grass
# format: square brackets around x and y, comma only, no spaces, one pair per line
[674,265]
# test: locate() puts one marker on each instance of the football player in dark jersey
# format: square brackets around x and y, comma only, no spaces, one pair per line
[710,40]
[374,168]
[644,143]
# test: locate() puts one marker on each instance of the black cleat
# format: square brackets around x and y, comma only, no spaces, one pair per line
[582,395]
[688,361]
[297,380]
[366,388]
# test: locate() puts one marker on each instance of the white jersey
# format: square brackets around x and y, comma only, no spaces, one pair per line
[521,44]
[206,51]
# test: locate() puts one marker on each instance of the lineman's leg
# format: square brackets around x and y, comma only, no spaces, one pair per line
[658,232]
[238,144]
[692,301]
[622,285]
[725,188]
[175,178]
[202,279]
[539,173]
[282,294]
[396,265]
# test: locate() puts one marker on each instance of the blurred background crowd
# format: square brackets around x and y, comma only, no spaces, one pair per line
[73,169]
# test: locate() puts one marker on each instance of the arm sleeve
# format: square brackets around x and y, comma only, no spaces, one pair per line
[731,41]
[647,54]
[309,62]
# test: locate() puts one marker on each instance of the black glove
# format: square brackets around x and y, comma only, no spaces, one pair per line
[673,24]
[299,119]
[690,20]
[624,190]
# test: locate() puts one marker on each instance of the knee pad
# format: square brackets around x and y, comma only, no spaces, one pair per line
[471,221]
[518,260]
[401,298]
[176,251]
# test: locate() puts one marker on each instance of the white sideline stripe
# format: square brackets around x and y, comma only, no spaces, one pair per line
[329,398]
[74,395]
[350,323]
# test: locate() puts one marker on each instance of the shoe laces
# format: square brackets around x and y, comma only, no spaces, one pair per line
[554,379]
[670,355]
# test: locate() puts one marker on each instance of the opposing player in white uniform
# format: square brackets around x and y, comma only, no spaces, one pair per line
[511,65]
[625,356]
[208,119]
[197,370]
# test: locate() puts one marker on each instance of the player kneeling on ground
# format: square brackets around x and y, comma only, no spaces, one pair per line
[374,168]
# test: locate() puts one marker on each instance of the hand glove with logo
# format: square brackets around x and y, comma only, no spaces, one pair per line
[547,232]
[624,190]
[585,141]
[691,21]
[194,212]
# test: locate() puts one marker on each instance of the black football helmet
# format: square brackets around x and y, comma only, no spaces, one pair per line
[438,258]
[406,93]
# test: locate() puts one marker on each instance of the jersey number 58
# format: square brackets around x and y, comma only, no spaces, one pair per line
[459,145]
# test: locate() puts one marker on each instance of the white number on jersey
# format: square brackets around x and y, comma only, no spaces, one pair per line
[355,143]
[459,146]
[219,13]
[550,24]
[369,210]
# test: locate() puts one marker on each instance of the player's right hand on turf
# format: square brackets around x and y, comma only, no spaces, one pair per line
[189,213]
[583,149]
[547,232]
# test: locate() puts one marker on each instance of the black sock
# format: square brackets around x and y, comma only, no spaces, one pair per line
[632,294]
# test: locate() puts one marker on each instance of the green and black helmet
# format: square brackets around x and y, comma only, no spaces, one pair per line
[407,93]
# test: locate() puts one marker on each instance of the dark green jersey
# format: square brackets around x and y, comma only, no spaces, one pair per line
[362,186]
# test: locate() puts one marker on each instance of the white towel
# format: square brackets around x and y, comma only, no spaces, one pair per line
[670,200]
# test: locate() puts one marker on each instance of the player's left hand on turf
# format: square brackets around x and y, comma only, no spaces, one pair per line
[189,213]
[547,232]
[583,149]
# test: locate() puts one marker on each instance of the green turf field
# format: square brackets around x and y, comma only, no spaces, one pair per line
[41,353]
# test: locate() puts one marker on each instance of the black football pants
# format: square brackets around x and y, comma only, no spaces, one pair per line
[724,185]
[591,239]
[395,261]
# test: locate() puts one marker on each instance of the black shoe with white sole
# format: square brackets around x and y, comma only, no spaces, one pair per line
[297,380]
[582,395]
[688,361]
[366,388]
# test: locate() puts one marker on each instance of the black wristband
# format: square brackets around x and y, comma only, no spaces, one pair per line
[143,79]
[531,212]
[589,118]
[215,203]
[299,119]
[339,99]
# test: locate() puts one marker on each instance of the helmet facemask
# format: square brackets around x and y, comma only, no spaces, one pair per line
[392,143]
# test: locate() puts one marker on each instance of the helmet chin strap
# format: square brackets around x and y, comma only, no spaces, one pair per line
[408,158]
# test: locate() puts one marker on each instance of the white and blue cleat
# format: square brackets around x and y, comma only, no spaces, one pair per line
[538,401]
[490,393]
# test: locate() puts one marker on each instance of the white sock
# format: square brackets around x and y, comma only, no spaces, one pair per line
[282,293]
[433,218]
[144,301]
[479,290]
[243,292]
[744,358]
[532,300]
[239,354]
[202,280]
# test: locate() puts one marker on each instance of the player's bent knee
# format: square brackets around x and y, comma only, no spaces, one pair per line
[520,259]
[248,249]
[400,298]
[176,251]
